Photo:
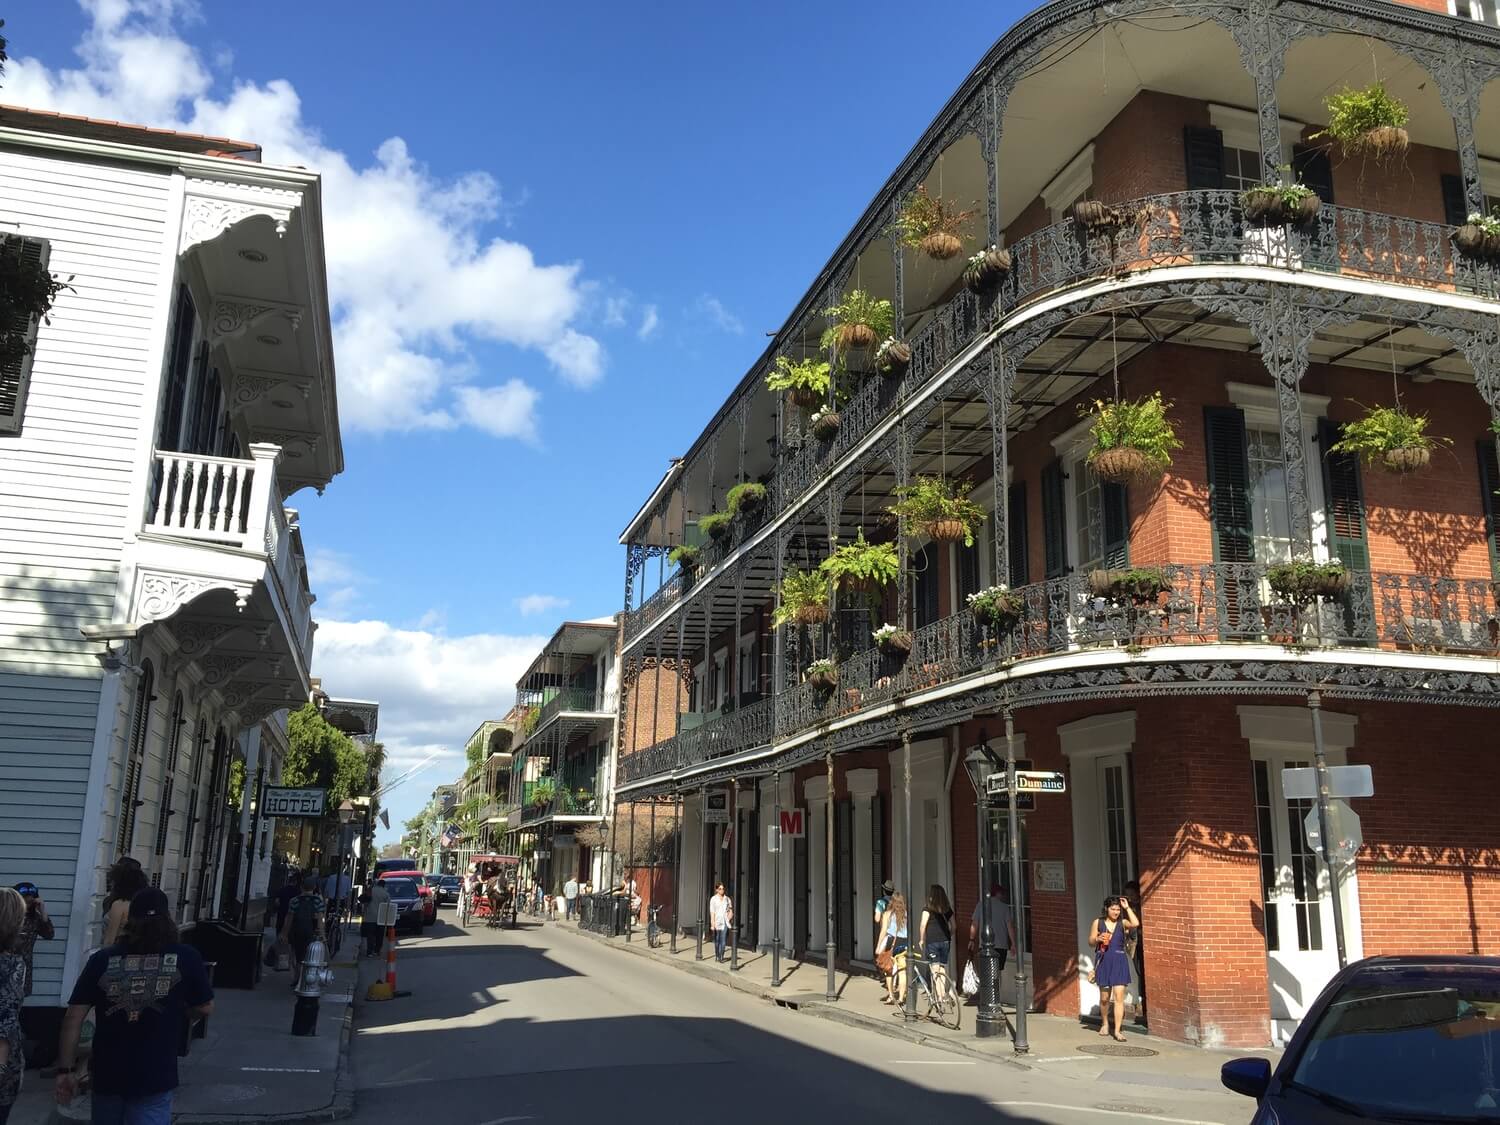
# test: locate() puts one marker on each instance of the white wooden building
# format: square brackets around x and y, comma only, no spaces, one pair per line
[155,615]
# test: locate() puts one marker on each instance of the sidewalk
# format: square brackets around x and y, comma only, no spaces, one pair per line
[1056,1042]
[250,1067]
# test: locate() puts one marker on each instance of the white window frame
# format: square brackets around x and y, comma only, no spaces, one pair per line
[1072,449]
[721,666]
[1258,405]
[748,677]
[1240,129]
[1070,184]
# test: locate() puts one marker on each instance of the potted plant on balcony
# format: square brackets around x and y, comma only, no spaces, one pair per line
[27,291]
[1366,122]
[824,424]
[804,381]
[1479,237]
[1143,585]
[997,607]
[940,508]
[892,640]
[893,357]
[858,321]
[1108,219]
[1302,580]
[542,792]
[1389,438]
[931,225]
[823,674]
[1133,438]
[862,567]
[745,499]
[718,526]
[684,555]
[986,269]
[1277,204]
[804,599]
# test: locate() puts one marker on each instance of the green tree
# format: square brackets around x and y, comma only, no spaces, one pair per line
[320,756]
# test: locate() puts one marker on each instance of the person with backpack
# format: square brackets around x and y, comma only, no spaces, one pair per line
[304,921]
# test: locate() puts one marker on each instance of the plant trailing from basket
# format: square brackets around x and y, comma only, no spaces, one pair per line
[1302,580]
[1388,437]
[718,526]
[542,792]
[940,508]
[823,674]
[893,357]
[1103,218]
[1368,121]
[1133,438]
[824,424]
[27,291]
[746,498]
[892,638]
[1479,237]
[805,381]
[804,598]
[932,225]
[684,555]
[999,607]
[859,319]
[862,566]
[1280,203]
[986,269]
[1141,584]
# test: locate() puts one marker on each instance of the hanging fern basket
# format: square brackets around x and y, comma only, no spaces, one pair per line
[987,270]
[893,359]
[806,397]
[898,643]
[1469,240]
[855,336]
[812,614]
[947,531]
[1120,465]
[1409,460]
[825,427]
[1385,140]
[940,245]
[823,679]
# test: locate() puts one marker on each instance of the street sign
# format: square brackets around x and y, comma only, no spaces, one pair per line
[1343,827]
[716,806]
[281,801]
[1029,781]
[1343,781]
[791,822]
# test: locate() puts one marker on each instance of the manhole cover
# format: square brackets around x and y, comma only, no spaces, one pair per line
[231,1093]
[1129,1107]
[1117,1050]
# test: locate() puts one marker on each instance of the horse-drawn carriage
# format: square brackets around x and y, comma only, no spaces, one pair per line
[493,896]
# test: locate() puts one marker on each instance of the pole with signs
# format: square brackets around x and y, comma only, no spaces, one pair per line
[830,948]
[1018,886]
[909,1009]
[255,815]
[775,837]
[1320,763]
[702,847]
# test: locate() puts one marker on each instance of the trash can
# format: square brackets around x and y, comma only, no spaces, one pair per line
[235,953]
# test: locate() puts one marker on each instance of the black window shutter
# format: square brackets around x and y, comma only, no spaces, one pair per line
[1455,201]
[1054,520]
[1116,524]
[1229,485]
[1205,157]
[1489,485]
[1346,502]
[1312,168]
[15,373]
[968,569]
[1017,546]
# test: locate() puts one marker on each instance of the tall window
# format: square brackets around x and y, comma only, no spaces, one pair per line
[135,760]
[169,775]
[1089,544]
[1270,517]
[1241,169]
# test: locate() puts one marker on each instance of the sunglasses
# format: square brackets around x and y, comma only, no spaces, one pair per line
[27,890]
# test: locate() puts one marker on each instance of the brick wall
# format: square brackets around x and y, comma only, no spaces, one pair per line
[652,704]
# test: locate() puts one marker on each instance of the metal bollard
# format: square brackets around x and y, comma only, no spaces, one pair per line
[312,975]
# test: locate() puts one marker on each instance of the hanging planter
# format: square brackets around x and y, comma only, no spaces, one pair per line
[997,607]
[1389,438]
[1102,218]
[825,425]
[805,381]
[858,321]
[1367,122]
[861,566]
[718,526]
[822,674]
[1141,585]
[892,640]
[804,599]
[684,556]
[986,270]
[1479,238]
[1301,581]
[1133,438]
[940,508]
[1277,205]
[932,225]
[745,499]
[893,357]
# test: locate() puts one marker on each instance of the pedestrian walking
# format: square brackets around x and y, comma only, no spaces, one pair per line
[37,926]
[370,928]
[304,922]
[289,890]
[142,991]
[893,943]
[1112,966]
[720,918]
[570,897]
[125,880]
[1002,926]
[882,904]
[936,927]
[13,977]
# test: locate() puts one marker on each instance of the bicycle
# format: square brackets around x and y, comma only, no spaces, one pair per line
[655,935]
[333,930]
[465,901]
[944,1005]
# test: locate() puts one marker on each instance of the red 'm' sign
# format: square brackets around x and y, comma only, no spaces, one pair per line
[791,822]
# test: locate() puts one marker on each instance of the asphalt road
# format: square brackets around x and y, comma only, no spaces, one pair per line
[549,1026]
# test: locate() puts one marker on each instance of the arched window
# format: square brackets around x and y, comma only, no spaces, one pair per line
[135,759]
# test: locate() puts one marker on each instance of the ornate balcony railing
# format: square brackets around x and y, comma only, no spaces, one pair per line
[748,727]
[568,699]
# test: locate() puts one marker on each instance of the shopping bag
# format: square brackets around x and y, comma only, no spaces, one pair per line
[971,979]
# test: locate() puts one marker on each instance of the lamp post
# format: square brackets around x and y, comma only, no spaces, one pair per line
[348,810]
[980,763]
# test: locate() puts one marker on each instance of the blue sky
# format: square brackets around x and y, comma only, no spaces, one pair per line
[558,234]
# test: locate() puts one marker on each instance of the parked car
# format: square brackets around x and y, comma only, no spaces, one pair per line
[448,888]
[1390,1039]
[408,901]
[408,868]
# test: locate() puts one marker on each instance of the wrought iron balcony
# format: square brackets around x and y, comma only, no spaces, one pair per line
[582,700]
[581,801]
[743,729]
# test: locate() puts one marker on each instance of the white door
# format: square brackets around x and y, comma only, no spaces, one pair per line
[1116,830]
[1301,954]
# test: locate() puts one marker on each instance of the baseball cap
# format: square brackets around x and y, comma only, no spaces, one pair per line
[149,903]
[28,889]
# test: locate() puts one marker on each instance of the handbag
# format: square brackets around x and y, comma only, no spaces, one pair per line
[885,961]
[971,980]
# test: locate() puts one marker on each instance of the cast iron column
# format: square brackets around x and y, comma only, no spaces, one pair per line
[990,1021]
[1320,764]
[909,1010]
[776,883]
[1017,886]
[830,946]
[734,872]
[702,841]
[677,875]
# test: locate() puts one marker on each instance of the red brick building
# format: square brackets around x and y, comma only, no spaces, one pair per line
[1172,709]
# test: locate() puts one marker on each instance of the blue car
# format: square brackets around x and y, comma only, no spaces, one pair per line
[1391,1039]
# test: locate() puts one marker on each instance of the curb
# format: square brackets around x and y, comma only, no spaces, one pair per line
[818,1008]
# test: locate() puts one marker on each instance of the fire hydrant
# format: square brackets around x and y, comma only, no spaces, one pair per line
[312,975]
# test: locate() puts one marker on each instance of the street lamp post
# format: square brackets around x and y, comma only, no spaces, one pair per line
[348,810]
[980,763]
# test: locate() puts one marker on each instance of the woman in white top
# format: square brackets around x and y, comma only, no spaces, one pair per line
[893,937]
[720,918]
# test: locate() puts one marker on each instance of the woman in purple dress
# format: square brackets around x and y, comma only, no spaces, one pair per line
[1112,967]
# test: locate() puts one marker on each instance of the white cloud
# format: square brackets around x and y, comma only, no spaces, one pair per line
[415,278]
[532,604]
[650,322]
[615,308]
[712,308]
[336,581]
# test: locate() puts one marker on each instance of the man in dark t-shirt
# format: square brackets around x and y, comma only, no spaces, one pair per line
[142,991]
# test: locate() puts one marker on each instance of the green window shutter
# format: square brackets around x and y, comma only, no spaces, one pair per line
[1116,524]
[1054,519]
[1204,149]
[1017,547]
[1455,202]
[1229,485]
[1347,535]
[1489,485]
[20,339]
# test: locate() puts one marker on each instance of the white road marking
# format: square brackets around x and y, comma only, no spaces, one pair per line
[1066,1058]
[283,1069]
[931,1062]
[1110,1112]
[503,1120]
